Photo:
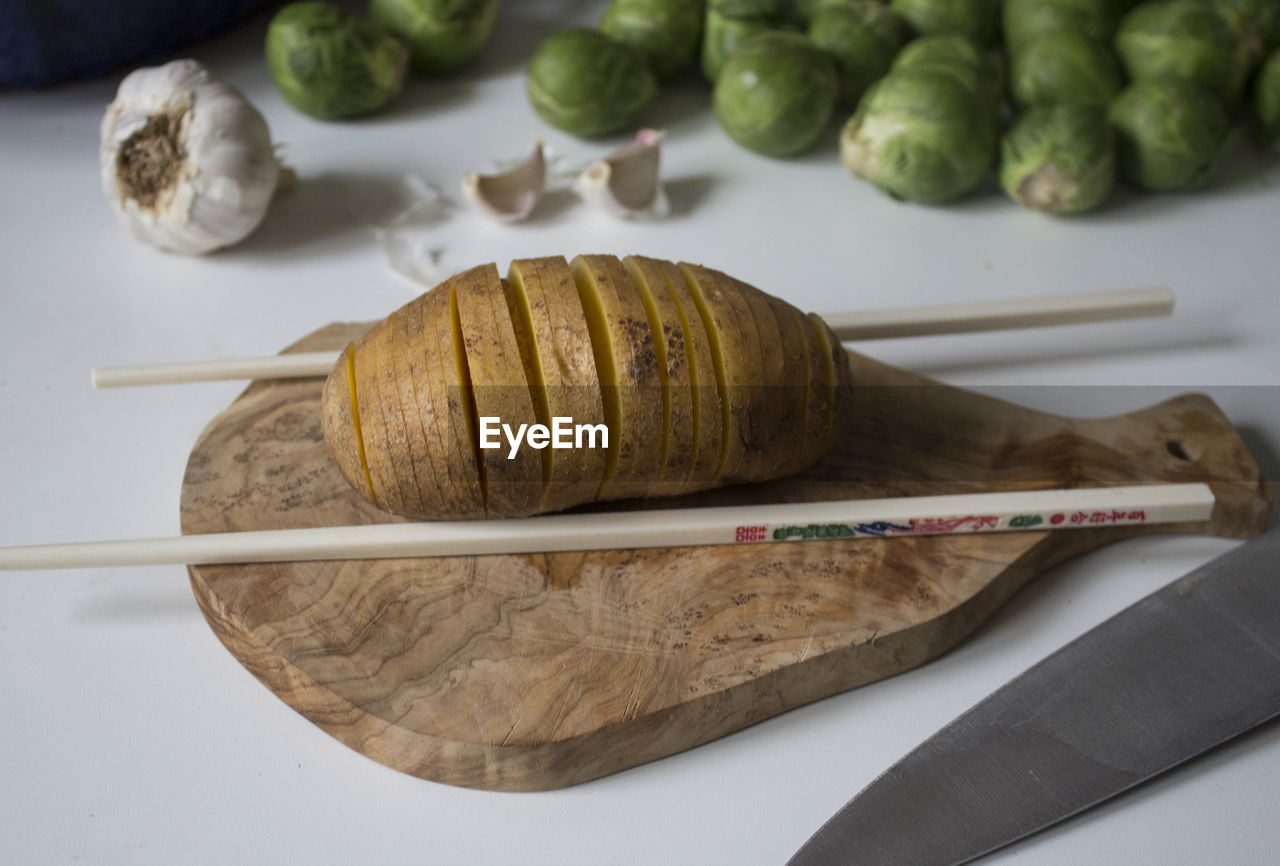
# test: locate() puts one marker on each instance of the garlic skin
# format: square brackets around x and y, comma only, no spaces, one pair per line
[626,183]
[187,162]
[509,196]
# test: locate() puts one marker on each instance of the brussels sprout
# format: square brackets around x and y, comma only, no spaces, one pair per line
[862,37]
[1027,20]
[668,32]
[329,64]
[748,8]
[775,93]
[920,135]
[722,34]
[978,69]
[804,9]
[1184,39]
[441,34]
[1170,132]
[1065,66]
[588,84]
[1059,159]
[1257,22]
[977,19]
[1266,101]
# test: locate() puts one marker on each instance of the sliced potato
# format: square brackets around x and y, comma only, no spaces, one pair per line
[772,426]
[679,433]
[704,386]
[341,423]
[816,399]
[500,388]
[383,469]
[700,379]
[631,385]
[830,348]
[457,427]
[564,370]
[725,310]
[790,392]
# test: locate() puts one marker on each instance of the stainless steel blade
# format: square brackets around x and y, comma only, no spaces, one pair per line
[1181,671]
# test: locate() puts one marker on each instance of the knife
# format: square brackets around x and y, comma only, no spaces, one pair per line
[1181,671]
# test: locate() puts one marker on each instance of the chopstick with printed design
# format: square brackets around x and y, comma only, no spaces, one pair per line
[1018,511]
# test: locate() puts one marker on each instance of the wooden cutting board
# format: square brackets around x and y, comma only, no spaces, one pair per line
[539,671]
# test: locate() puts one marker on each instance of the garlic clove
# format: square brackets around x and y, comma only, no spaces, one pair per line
[626,183]
[187,162]
[509,196]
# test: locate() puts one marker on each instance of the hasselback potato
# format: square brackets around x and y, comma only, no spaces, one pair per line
[698,378]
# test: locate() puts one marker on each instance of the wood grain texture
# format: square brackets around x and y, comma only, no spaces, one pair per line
[534,672]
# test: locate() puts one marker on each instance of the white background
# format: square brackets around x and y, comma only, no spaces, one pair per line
[129,735]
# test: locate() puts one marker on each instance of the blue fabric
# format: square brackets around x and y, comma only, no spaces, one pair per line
[44,41]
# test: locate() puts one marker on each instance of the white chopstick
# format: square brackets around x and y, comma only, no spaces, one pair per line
[880,518]
[866,325]
[980,316]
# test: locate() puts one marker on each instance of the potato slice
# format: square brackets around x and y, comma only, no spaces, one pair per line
[815,392]
[832,354]
[705,389]
[341,423]
[414,411]
[373,424]
[843,391]
[679,433]
[631,386]
[726,312]
[771,450]
[562,373]
[790,392]
[500,388]
[400,450]
[424,400]
[456,424]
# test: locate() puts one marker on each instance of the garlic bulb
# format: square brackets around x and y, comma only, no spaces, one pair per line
[186,160]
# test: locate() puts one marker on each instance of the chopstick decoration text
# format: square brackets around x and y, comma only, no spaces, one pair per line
[937,525]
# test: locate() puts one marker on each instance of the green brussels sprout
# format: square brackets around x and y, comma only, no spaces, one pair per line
[1170,133]
[441,34]
[803,9]
[1060,159]
[1265,102]
[1184,39]
[955,55]
[920,135]
[586,83]
[775,93]
[862,37]
[1065,66]
[748,8]
[1257,22]
[668,32]
[1027,20]
[723,33]
[329,64]
[977,19]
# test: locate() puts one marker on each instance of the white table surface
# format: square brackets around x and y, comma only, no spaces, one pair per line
[129,735]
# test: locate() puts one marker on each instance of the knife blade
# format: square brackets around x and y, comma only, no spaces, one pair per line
[1181,671]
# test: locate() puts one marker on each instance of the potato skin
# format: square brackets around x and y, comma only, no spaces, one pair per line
[401,406]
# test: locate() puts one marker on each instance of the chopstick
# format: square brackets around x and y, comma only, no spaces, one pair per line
[1033,510]
[980,316]
[974,317]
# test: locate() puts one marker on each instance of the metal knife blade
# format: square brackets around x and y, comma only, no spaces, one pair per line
[1181,671]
